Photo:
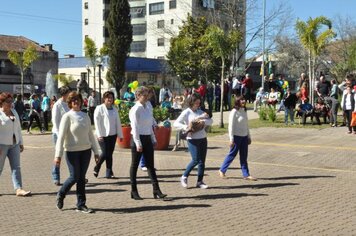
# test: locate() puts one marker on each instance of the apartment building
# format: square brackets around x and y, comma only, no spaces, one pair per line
[154,22]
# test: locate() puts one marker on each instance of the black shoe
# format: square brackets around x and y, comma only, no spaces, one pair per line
[84,209]
[60,202]
[95,174]
[159,195]
[134,195]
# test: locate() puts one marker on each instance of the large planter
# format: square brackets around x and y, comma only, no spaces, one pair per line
[126,132]
[163,136]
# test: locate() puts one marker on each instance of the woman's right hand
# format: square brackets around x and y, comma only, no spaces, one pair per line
[232,144]
[57,161]
[139,149]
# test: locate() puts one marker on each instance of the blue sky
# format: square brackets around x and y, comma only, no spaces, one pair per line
[59,22]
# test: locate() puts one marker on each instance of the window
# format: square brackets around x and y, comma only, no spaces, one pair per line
[139,29]
[172,21]
[156,8]
[172,4]
[86,22]
[131,76]
[152,79]
[138,46]
[160,42]
[160,24]
[106,1]
[138,12]
[86,6]
[160,57]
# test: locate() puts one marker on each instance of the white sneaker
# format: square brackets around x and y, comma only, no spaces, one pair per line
[184,182]
[144,168]
[202,185]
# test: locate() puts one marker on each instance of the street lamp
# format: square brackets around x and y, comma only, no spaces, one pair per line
[100,65]
[88,69]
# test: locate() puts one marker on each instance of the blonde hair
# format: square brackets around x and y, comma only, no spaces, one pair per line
[141,90]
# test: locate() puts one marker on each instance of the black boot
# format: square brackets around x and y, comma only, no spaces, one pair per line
[134,193]
[157,192]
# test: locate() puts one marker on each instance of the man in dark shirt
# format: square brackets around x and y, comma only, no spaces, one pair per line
[323,88]
[290,100]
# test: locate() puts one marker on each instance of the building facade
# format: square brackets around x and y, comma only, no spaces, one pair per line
[154,22]
[35,76]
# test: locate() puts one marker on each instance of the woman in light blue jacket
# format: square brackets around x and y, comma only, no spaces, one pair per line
[107,128]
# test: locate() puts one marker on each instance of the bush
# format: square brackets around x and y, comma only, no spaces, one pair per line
[272,115]
[262,113]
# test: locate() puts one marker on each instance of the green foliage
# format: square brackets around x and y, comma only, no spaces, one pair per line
[262,114]
[160,114]
[65,80]
[272,115]
[120,38]
[189,56]
[124,110]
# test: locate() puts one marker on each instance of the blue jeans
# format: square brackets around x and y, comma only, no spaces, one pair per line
[142,161]
[241,144]
[78,163]
[13,153]
[290,112]
[197,149]
[56,176]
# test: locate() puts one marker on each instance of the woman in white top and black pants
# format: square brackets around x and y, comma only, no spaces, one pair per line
[143,142]
[76,138]
[239,135]
[108,128]
[197,141]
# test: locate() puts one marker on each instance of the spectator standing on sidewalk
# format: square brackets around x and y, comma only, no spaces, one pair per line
[76,138]
[11,143]
[60,107]
[19,107]
[348,106]
[197,141]
[108,128]
[290,101]
[35,111]
[239,135]
[92,103]
[46,109]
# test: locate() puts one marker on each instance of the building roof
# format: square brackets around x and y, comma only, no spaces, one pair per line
[18,44]
[133,64]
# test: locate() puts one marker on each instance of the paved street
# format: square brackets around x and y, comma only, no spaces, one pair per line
[306,186]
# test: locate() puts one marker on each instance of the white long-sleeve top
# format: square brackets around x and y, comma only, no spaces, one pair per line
[187,116]
[9,128]
[59,108]
[107,122]
[75,134]
[238,124]
[141,119]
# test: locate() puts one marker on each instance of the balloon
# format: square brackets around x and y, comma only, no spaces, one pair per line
[130,85]
[117,102]
[135,84]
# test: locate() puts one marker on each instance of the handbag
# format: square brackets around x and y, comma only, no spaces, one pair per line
[353,120]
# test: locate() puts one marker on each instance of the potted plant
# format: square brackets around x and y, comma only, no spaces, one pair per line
[124,110]
[163,132]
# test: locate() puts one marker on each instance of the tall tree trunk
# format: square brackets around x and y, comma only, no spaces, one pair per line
[310,75]
[22,85]
[94,68]
[222,93]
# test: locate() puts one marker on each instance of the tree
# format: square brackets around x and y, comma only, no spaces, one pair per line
[189,57]
[64,80]
[91,52]
[23,60]
[222,45]
[120,38]
[314,41]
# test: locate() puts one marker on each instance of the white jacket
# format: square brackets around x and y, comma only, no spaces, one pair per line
[8,128]
[102,123]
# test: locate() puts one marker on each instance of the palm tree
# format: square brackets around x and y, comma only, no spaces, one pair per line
[314,41]
[222,46]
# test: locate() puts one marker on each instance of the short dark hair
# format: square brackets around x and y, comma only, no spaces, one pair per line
[237,104]
[64,90]
[4,96]
[107,94]
[72,97]
[193,98]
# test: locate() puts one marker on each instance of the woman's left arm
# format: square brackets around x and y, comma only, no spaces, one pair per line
[92,139]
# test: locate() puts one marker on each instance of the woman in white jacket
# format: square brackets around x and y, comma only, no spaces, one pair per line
[239,135]
[108,128]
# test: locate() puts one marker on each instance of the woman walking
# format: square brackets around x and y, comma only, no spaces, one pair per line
[142,143]
[193,120]
[77,140]
[108,128]
[11,143]
[240,138]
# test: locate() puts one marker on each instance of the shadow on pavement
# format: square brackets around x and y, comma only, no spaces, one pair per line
[257,186]
[152,208]
[219,196]
[300,177]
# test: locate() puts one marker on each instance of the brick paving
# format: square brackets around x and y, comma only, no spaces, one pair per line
[306,186]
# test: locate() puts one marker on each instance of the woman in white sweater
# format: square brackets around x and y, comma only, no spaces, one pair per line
[11,143]
[239,135]
[76,138]
[197,141]
[108,128]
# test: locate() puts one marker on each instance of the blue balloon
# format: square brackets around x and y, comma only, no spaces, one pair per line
[166,124]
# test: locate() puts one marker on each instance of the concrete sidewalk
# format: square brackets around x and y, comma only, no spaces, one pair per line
[306,186]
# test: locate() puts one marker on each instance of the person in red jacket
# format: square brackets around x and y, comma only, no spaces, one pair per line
[248,87]
[202,92]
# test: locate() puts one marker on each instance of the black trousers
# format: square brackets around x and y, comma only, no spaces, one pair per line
[107,147]
[45,119]
[91,114]
[36,117]
[148,153]
[348,114]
